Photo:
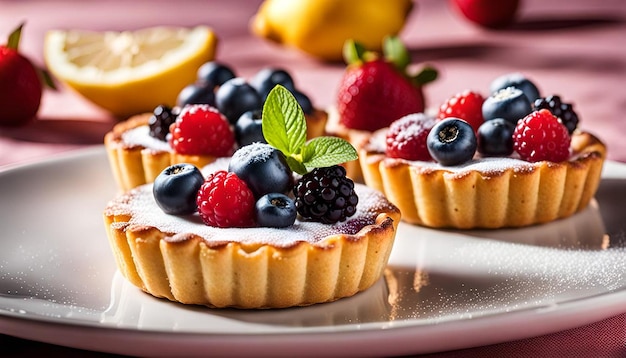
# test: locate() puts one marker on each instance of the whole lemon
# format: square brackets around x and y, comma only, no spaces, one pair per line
[321,27]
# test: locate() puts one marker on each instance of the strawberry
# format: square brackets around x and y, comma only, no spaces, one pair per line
[20,85]
[375,90]
[488,13]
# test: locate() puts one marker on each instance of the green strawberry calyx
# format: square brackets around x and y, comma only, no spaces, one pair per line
[284,128]
[395,52]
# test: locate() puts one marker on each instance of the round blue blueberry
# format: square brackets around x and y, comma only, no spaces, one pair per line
[176,187]
[249,129]
[495,137]
[275,210]
[304,101]
[451,141]
[263,168]
[213,74]
[509,103]
[235,97]
[196,94]
[516,80]
[266,79]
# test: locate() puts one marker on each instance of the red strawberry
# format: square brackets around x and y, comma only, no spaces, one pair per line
[466,105]
[488,13]
[224,200]
[541,136]
[202,130]
[375,91]
[20,85]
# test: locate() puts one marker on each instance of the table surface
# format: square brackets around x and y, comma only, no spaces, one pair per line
[570,48]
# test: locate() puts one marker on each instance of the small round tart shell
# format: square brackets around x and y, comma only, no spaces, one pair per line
[249,273]
[508,196]
[133,165]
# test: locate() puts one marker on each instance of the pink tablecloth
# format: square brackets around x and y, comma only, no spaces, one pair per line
[571,48]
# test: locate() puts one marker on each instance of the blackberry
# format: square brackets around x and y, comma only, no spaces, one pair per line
[160,120]
[325,195]
[560,109]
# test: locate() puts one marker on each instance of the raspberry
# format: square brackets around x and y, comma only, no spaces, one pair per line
[541,136]
[224,200]
[466,105]
[325,195]
[564,111]
[406,137]
[202,130]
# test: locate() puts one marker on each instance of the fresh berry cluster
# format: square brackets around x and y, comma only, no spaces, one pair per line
[512,119]
[259,187]
[238,100]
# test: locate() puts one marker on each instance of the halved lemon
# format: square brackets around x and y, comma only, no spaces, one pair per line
[129,72]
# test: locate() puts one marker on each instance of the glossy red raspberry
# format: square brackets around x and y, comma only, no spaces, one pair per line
[202,130]
[406,137]
[466,105]
[541,136]
[224,200]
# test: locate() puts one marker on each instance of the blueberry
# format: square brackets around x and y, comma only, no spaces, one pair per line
[266,79]
[249,129]
[451,141]
[275,210]
[214,74]
[263,168]
[509,103]
[495,137]
[517,80]
[196,94]
[235,97]
[176,187]
[303,101]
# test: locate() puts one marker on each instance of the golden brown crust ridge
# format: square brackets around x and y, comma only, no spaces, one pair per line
[514,197]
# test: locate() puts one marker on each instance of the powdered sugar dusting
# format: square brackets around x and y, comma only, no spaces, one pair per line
[140,136]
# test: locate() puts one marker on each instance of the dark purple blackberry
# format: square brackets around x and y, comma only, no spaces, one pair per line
[160,121]
[325,195]
[560,109]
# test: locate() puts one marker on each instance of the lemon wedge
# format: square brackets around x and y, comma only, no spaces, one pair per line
[129,72]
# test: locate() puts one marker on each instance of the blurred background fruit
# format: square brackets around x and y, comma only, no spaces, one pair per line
[20,84]
[321,27]
[488,13]
[129,72]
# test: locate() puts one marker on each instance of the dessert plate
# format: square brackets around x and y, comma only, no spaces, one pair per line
[442,290]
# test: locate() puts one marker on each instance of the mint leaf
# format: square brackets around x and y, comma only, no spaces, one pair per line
[296,165]
[327,151]
[284,125]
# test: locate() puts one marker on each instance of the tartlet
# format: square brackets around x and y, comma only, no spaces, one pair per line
[183,260]
[486,192]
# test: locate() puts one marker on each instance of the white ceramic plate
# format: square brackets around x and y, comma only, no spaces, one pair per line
[443,289]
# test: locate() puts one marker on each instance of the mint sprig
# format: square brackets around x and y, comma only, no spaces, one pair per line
[284,128]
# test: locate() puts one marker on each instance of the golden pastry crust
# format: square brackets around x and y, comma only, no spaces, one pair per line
[134,165]
[507,196]
[187,267]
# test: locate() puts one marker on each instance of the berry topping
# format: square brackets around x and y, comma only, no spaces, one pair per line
[541,136]
[564,111]
[176,187]
[267,78]
[224,201]
[325,195]
[516,80]
[196,93]
[249,128]
[509,103]
[491,14]
[275,210]
[160,120]
[452,141]
[495,137]
[213,74]
[466,105]
[304,101]
[406,137]
[201,129]
[235,97]
[263,168]
[376,90]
